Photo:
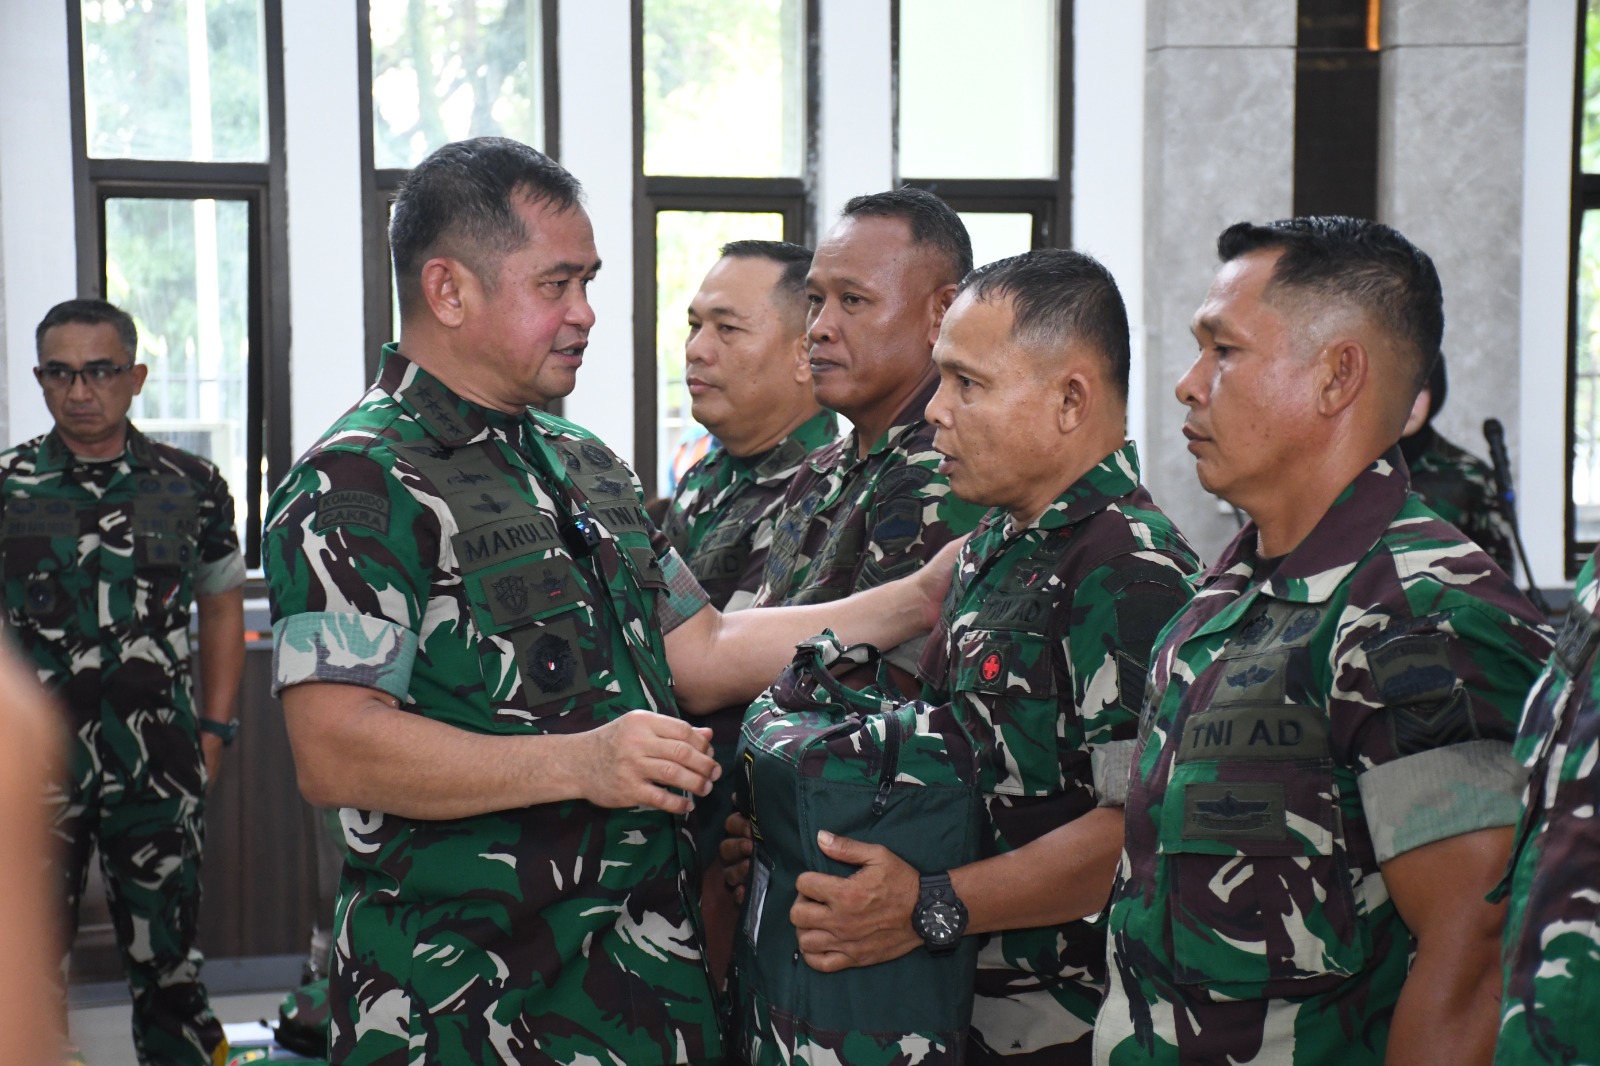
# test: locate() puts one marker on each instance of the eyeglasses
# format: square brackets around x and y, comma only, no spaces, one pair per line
[98,375]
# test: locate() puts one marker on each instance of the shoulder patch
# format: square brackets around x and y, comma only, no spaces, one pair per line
[352,507]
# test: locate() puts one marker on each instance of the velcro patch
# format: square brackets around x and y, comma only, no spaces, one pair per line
[550,660]
[1226,810]
[1255,731]
[1579,637]
[352,507]
[530,590]
[1423,727]
[648,567]
[1413,669]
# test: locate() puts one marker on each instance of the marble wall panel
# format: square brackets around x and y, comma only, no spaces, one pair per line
[1451,180]
[1219,149]
[1425,22]
[1220,23]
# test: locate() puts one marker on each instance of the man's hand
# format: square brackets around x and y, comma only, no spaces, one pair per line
[858,920]
[934,579]
[735,851]
[211,750]
[635,760]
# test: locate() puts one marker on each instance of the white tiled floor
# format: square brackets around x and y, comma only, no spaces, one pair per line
[104,1037]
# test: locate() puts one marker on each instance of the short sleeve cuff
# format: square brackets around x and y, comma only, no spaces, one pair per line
[683,598]
[908,656]
[1111,765]
[349,649]
[221,575]
[1441,793]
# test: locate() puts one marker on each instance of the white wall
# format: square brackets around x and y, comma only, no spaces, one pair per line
[1108,164]
[323,178]
[855,133]
[596,71]
[1546,191]
[36,213]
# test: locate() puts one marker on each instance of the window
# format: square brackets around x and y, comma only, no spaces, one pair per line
[724,116]
[1583,368]
[178,164]
[436,71]
[1008,179]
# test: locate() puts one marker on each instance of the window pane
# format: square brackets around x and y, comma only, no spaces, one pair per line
[996,235]
[181,268]
[978,95]
[724,87]
[443,70]
[687,243]
[174,79]
[1590,153]
[1586,382]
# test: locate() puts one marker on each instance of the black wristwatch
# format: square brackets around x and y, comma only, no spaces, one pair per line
[226,730]
[940,918]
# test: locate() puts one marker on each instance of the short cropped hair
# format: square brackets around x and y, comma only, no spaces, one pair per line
[1359,261]
[794,258]
[1058,297]
[461,200]
[931,221]
[89,312]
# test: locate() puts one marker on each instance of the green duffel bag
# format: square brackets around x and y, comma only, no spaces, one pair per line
[817,754]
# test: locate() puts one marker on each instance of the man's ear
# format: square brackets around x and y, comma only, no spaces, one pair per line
[139,372]
[1077,394]
[1344,368]
[800,370]
[446,284]
[940,302]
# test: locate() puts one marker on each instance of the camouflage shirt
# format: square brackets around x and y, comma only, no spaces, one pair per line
[1459,488]
[1551,952]
[103,560]
[1308,718]
[496,573]
[849,523]
[721,516]
[1043,648]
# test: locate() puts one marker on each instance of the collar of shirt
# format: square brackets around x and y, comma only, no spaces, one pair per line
[451,420]
[910,418]
[783,460]
[1341,539]
[1111,478]
[55,457]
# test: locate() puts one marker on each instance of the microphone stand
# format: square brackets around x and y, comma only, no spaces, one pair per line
[1495,434]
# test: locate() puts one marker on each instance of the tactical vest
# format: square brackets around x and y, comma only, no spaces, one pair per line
[862,764]
[564,618]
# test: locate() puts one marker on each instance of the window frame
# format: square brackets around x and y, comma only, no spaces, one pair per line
[379,185]
[793,198]
[1048,200]
[263,187]
[1585,198]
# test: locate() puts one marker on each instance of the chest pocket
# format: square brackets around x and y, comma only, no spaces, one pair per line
[1008,679]
[1252,836]
[40,545]
[166,526]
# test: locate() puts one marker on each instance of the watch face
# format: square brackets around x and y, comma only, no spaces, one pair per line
[940,923]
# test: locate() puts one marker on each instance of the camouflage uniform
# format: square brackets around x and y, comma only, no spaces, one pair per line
[1042,648]
[720,522]
[1552,949]
[102,564]
[1459,488]
[1310,718]
[432,549]
[849,524]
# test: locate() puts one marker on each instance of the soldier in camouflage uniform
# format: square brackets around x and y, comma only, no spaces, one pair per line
[1323,786]
[749,381]
[1455,484]
[1551,953]
[873,506]
[1041,648]
[109,537]
[482,646]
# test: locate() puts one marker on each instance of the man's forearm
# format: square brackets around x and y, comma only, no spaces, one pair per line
[221,652]
[1447,1015]
[720,660]
[1060,877]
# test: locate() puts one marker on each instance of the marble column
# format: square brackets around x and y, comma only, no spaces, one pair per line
[1450,178]
[1219,148]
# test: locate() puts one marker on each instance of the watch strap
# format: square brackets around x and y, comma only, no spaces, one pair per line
[226,730]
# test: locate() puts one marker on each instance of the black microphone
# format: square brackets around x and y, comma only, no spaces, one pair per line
[1495,434]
